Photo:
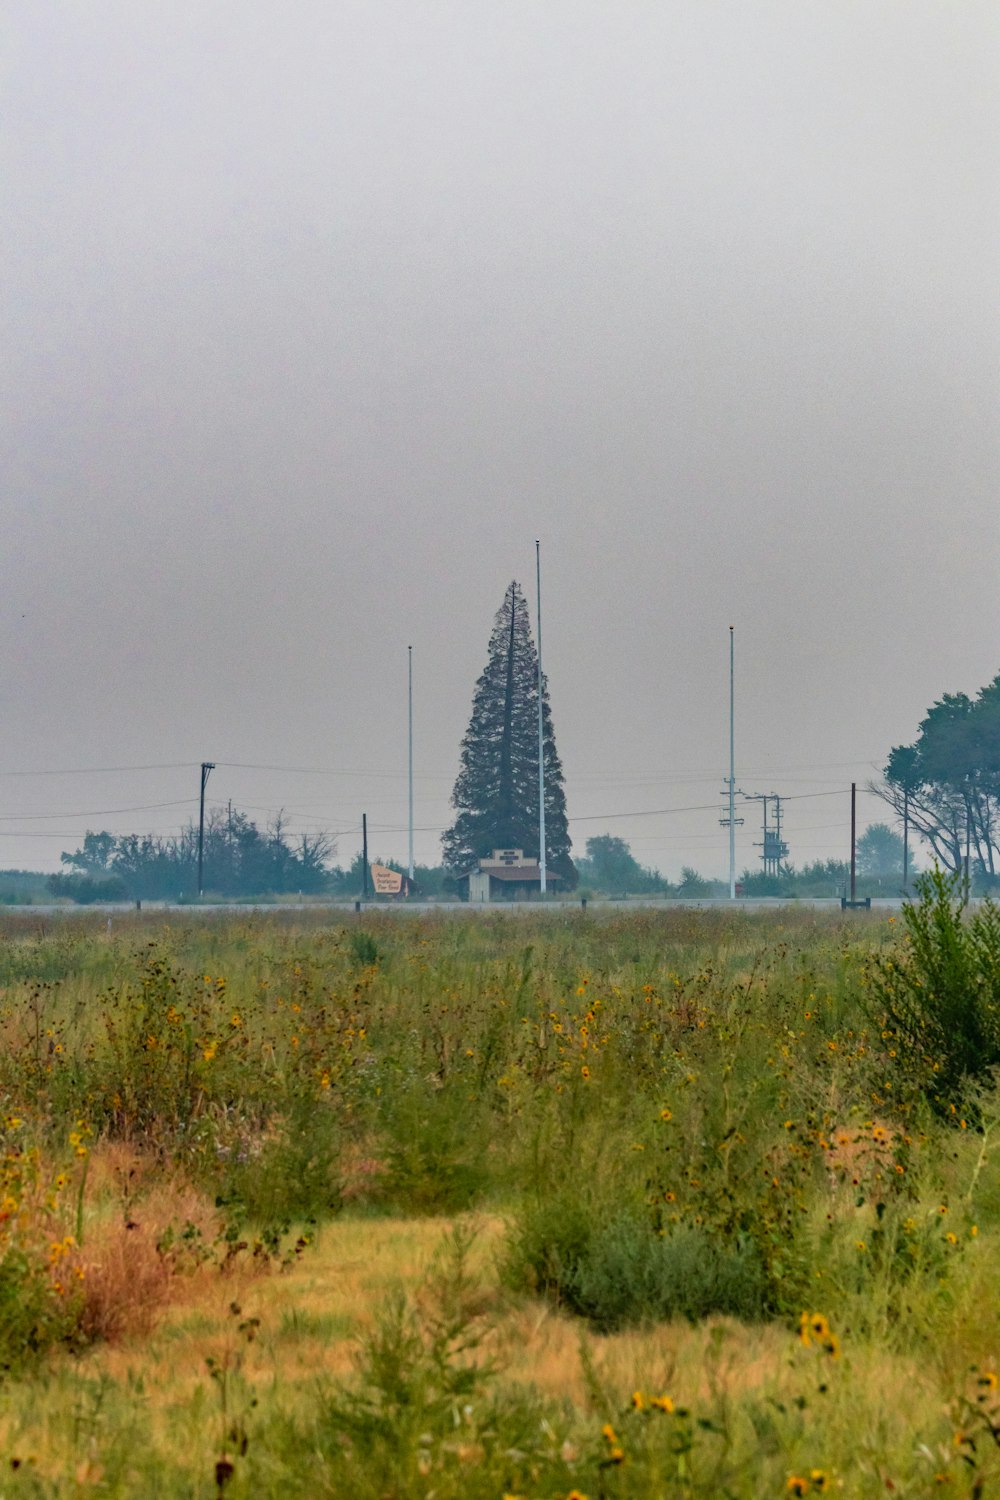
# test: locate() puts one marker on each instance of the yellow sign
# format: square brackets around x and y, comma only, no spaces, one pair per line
[386,882]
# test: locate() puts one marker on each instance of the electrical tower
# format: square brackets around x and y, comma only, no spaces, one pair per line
[775,850]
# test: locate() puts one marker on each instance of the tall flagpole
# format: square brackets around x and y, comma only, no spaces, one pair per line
[541,735]
[732,773]
[409,652]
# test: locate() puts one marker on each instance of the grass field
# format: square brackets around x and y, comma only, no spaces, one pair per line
[539,1205]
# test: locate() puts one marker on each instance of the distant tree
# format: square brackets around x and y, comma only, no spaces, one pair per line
[948,780]
[880,853]
[95,856]
[693,885]
[496,793]
[824,877]
[609,865]
[86,890]
[430,879]
[23,887]
[240,859]
[757,883]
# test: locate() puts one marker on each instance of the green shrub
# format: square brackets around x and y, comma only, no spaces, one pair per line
[35,1315]
[364,950]
[436,1153]
[939,1000]
[287,1174]
[623,1271]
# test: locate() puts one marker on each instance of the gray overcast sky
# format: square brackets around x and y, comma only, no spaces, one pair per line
[316,315]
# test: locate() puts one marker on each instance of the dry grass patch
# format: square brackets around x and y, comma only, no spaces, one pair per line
[144,1234]
[154,1380]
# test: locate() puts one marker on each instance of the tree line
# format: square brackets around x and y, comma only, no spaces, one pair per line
[240,859]
[609,868]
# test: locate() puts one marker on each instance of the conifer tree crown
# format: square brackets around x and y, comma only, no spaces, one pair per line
[496,793]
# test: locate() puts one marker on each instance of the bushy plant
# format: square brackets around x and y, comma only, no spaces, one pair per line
[622,1271]
[40,1289]
[938,1000]
[436,1154]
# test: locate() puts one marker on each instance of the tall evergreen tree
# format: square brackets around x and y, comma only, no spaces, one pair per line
[496,794]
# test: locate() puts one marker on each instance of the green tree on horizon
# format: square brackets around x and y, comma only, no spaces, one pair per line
[610,865]
[948,781]
[240,859]
[496,792]
[880,853]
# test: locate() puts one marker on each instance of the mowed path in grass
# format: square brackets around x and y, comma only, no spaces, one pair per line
[147,1403]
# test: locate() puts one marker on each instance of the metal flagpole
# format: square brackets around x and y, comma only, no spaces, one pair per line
[732,772]
[541,736]
[409,650]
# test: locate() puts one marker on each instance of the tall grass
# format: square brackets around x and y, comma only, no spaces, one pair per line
[679,1116]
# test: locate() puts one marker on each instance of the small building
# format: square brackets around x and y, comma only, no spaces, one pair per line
[506,875]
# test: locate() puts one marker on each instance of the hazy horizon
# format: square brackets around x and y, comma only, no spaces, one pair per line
[315,319]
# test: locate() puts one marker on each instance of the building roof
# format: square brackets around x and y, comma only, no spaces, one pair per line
[516,873]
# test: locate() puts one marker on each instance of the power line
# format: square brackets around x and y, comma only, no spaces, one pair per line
[176,765]
[99,812]
[246,765]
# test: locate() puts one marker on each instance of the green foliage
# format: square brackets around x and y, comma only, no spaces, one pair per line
[939,1000]
[611,867]
[880,854]
[22,888]
[694,885]
[435,1158]
[239,859]
[287,1172]
[364,949]
[496,793]
[948,780]
[678,1115]
[421,1399]
[621,1270]
[34,1316]
[86,890]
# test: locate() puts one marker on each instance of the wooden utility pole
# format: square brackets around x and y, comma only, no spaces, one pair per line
[854,829]
[207,767]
